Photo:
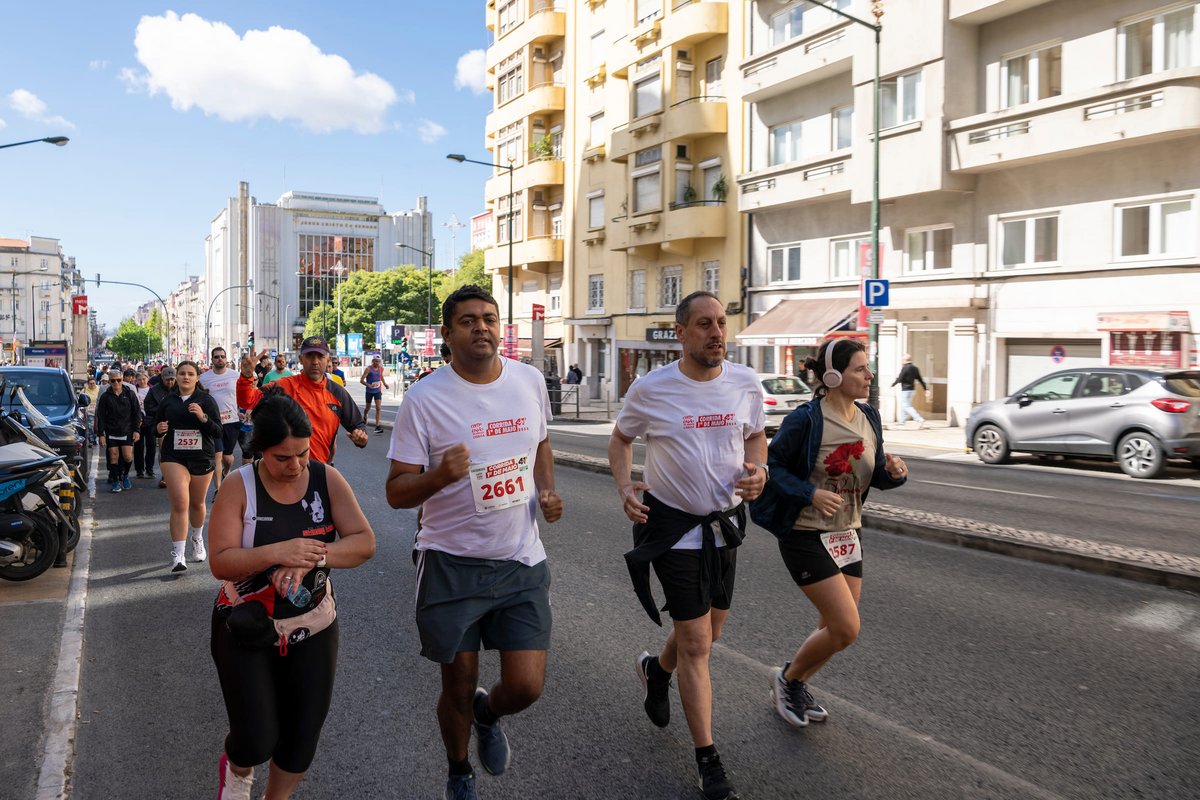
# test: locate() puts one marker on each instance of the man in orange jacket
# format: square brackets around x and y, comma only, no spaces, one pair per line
[328,405]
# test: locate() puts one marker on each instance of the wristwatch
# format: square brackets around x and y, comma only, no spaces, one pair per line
[764,468]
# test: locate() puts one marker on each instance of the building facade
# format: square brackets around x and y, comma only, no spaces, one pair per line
[37,284]
[268,265]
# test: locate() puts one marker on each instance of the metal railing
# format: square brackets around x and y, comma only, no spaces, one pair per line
[702,98]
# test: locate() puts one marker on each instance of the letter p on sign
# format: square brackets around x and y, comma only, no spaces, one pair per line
[875,293]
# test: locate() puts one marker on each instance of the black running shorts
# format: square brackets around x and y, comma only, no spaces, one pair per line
[195,466]
[807,559]
[690,594]
[229,437]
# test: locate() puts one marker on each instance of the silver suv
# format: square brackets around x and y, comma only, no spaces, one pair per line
[1138,416]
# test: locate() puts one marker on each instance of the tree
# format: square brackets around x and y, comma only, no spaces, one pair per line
[157,324]
[399,294]
[134,341]
[470,271]
[321,321]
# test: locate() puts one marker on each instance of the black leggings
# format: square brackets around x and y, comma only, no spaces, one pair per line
[144,450]
[276,704]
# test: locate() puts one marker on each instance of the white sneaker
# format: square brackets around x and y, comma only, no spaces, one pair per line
[233,786]
[198,551]
[178,562]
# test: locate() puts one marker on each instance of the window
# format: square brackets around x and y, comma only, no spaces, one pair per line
[518,233]
[319,256]
[843,127]
[710,175]
[787,24]
[785,143]
[595,293]
[637,290]
[712,276]
[1157,43]
[511,83]
[596,130]
[901,99]
[683,183]
[646,10]
[651,155]
[1028,241]
[15,261]
[670,285]
[596,210]
[555,294]
[1104,384]
[928,249]
[509,14]
[784,264]
[1032,76]
[1057,387]
[1157,229]
[598,50]
[647,96]
[844,263]
[509,144]
[712,76]
[647,191]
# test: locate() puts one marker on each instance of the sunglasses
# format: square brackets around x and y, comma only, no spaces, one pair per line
[114,380]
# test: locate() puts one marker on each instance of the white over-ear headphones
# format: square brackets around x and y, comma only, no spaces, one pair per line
[832,378]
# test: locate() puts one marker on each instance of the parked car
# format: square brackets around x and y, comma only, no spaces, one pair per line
[1139,417]
[781,393]
[50,390]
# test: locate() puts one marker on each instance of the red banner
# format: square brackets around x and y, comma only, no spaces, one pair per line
[865,272]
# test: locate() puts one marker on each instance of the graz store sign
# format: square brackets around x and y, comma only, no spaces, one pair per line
[660,335]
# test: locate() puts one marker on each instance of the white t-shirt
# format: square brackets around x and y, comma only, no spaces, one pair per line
[498,422]
[695,434]
[223,389]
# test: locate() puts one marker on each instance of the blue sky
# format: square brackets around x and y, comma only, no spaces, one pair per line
[168,107]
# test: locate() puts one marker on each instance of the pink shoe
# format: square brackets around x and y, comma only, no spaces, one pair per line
[233,786]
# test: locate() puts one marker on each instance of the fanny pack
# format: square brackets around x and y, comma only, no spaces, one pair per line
[251,626]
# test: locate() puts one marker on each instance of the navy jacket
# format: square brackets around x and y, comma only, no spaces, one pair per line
[790,460]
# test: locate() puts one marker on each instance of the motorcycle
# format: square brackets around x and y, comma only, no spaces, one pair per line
[34,527]
[66,442]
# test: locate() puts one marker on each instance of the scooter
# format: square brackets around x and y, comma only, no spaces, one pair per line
[34,527]
[65,442]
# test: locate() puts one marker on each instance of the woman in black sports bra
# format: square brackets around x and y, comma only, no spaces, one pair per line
[278,526]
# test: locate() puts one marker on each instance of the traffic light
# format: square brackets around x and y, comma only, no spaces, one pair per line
[97,280]
[404,345]
[250,341]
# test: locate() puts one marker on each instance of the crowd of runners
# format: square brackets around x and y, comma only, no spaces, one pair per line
[470,450]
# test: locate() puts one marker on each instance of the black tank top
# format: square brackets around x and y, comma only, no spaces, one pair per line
[267,522]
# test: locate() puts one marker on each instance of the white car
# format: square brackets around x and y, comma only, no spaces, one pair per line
[781,394]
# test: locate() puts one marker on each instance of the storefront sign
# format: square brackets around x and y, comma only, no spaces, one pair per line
[1145,349]
[1144,321]
[510,341]
[660,335]
[45,356]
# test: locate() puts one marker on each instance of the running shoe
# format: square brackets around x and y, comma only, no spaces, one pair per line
[793,702]
[178,562]
[115,487]
[460,787]
[126,483]
[657,700]
[233,786]
[162,483]
[378,429]
[198,551]
[714,783]
[492,744]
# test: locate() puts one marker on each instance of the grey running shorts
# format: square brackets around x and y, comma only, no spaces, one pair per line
[465,602]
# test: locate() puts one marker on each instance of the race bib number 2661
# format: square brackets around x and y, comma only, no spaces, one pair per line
[501,484]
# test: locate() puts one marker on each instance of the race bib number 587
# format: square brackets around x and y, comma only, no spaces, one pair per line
[501,484]
[843,547]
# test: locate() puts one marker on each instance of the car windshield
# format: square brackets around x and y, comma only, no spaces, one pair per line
[1186,384]
[44,391]
[784,385]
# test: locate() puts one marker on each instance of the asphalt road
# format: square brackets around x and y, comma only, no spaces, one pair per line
[1077,500]
[976,676]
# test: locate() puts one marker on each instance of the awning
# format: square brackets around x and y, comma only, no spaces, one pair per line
[801,322]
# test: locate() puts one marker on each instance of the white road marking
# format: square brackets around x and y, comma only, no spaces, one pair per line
[985,489]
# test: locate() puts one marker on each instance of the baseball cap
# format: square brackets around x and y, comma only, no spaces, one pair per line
[314,344]
[167,372]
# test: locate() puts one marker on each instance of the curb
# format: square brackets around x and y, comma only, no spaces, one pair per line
[1145,566]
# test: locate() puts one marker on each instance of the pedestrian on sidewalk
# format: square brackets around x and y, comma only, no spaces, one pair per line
[702,419]
[118,427]
[479,474]
[823,462]
[154,398]
[274,625]
[188,424]
[375,381]
[908,379]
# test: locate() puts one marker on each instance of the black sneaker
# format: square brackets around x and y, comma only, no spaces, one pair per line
[714,783]
[793,702]
[490,741]
[460,787]
[378,429]
[657,701]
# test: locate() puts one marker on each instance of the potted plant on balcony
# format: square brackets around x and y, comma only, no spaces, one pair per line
[543,148]
[689,195]
[720,189]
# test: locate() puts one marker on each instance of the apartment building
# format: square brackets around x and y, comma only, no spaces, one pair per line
[37,284]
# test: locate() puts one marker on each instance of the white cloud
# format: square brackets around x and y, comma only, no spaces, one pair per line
[276,73]
[30,106]
[430,131]
[98,65]
[471,72]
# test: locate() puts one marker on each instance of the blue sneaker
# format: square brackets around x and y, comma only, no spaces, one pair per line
[126,483]
[115,487]
[492,744]
[460,787]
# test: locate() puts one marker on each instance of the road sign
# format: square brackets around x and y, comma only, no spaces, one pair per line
[875,317]
[539,312]
[875,292]
[397,333]
[1058,354]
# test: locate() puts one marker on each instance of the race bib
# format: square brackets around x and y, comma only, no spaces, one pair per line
[373,385]
[228,417]
[843,547]
[501,484]
[188,440]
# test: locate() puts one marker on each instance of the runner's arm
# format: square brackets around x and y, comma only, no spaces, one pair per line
[356,540]
[212,425]
[349,415]
[543,466]
[248,394]
[228,560]
[620,459]
[409,485]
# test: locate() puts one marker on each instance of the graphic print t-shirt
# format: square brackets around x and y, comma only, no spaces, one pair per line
[695,434]
[502,420]
[845,464]
[223,389]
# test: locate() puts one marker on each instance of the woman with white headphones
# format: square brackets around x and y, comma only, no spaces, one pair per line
[822,463]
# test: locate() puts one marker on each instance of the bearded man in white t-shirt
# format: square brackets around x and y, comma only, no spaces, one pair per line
[221,383]
[470,446]
[702,420]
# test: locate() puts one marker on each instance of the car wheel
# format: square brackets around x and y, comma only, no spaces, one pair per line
[990,445]
[1141,456]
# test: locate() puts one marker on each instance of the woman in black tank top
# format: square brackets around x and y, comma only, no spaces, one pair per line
[278,526]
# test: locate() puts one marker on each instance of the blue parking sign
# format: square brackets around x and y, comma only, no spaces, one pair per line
[875,292]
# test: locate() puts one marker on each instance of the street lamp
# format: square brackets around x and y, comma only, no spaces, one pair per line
[873,328]
[208,315]
[429,264]
[453,224]
[57,141]
[340,271]
[460,159]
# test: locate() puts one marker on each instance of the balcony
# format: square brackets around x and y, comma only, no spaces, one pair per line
[534,254]
[616,233]
[977,12]
[636,135]
[690,22]
[543,24]
[796,183]
[1147,109]
[695,117]
[799,62]
[540,99]
[544,172]
[684,223]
